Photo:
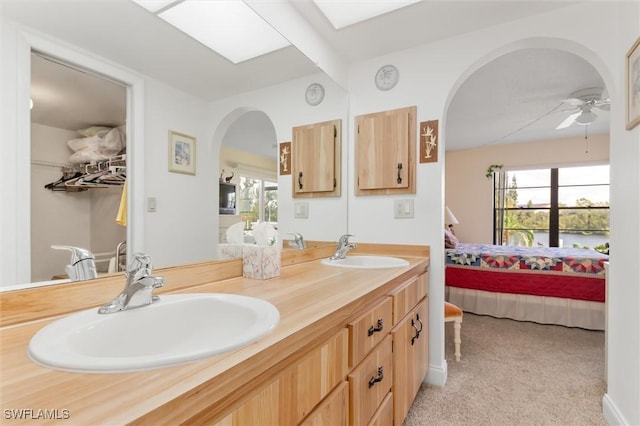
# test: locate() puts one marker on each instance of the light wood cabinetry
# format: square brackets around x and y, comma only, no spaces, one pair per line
[334,410]
[367,374]
[410,358]
[385,152]
[316,159]
[369,330]
[370,383]
[301,387]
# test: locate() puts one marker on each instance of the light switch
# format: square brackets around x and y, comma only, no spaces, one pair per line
[301,210]
[403,209]
[151,204]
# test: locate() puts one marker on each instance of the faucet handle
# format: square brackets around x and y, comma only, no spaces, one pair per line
[140,267]
[344,239]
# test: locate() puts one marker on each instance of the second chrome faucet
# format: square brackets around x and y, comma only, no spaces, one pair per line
[138,289]
[343,247]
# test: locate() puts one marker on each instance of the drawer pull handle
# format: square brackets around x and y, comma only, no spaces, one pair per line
[379,326]
[418,319]
[376,379]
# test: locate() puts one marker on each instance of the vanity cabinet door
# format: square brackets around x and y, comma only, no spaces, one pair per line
[333,410]
[298,390]
[385,152]
[315,168]
[410,358]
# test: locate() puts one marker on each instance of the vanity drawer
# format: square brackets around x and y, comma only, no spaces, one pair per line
[408,296]
[370,383]
[369,330]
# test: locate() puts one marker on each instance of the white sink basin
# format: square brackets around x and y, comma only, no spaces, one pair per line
[176,329]
[367,262]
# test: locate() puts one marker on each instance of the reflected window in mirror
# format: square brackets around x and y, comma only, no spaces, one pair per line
[257,201]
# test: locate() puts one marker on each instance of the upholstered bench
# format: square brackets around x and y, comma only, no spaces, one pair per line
[453,313]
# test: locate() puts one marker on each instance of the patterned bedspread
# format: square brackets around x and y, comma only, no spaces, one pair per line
[568,260]
[540,271]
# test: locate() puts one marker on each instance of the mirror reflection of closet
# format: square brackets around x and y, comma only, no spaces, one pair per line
[248,159]
[69,207]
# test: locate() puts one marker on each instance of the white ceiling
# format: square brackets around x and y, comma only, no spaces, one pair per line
[502,97]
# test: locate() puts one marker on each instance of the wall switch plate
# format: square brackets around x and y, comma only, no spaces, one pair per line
[151,204]
[301,210]
[403,209]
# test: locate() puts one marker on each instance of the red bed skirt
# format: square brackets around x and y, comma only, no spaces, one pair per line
[550,285]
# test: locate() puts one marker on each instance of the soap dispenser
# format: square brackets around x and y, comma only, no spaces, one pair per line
[82,266]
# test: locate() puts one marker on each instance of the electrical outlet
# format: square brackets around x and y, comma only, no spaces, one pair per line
[403,209]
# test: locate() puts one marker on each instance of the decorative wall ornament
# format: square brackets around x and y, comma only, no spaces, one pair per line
[633,85]
[182,153]
[429,141]
[285,158]
[493,169]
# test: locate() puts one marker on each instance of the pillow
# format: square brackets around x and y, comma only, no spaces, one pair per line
[450,240]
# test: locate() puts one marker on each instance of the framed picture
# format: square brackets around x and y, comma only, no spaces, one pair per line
[182,153]
[285,158]
[633,85]
[429,141]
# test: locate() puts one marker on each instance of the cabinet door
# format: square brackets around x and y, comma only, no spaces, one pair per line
[333,410]
[316,163]
[385,152]
[298,390]
[410,359]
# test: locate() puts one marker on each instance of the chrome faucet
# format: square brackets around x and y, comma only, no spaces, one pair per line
[343,247]
[298,241]
[82,266]
[138,288]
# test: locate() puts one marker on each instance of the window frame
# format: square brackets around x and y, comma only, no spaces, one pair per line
[554,208]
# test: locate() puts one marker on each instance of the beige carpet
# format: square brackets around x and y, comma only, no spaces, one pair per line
[517,373]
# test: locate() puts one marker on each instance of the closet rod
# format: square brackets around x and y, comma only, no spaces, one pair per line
[49,163]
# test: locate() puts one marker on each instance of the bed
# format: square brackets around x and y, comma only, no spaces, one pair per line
[548,285]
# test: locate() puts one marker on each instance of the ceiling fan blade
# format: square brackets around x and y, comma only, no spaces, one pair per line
[569,120]
[573,101]
[603,105]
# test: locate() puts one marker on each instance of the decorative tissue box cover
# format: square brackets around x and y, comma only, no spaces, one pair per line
[261,262]
[230,251]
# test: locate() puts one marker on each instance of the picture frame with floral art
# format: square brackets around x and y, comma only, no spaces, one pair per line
[182,153]
[633,85]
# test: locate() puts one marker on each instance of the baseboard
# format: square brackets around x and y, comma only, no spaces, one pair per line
[612,415]
[437,374]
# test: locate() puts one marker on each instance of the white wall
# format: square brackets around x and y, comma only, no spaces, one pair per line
[469,194]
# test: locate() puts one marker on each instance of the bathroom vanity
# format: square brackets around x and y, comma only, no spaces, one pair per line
[351,347]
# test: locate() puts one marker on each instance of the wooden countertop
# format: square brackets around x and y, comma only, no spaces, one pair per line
[314,301]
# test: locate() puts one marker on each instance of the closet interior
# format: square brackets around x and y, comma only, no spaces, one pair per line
[78,167]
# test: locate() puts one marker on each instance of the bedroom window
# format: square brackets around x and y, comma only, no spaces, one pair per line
[257,201]
[558,207]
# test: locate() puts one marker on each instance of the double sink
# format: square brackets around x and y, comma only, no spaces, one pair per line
[179,328]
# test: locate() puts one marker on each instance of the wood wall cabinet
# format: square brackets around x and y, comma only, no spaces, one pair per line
[385,152]
[316,159]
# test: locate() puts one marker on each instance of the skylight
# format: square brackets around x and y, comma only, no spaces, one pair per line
[231,28]
[348,12]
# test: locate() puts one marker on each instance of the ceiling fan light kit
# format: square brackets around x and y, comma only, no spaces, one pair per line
[584,102]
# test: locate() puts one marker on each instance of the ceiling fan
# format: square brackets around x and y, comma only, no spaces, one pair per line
[583,103]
